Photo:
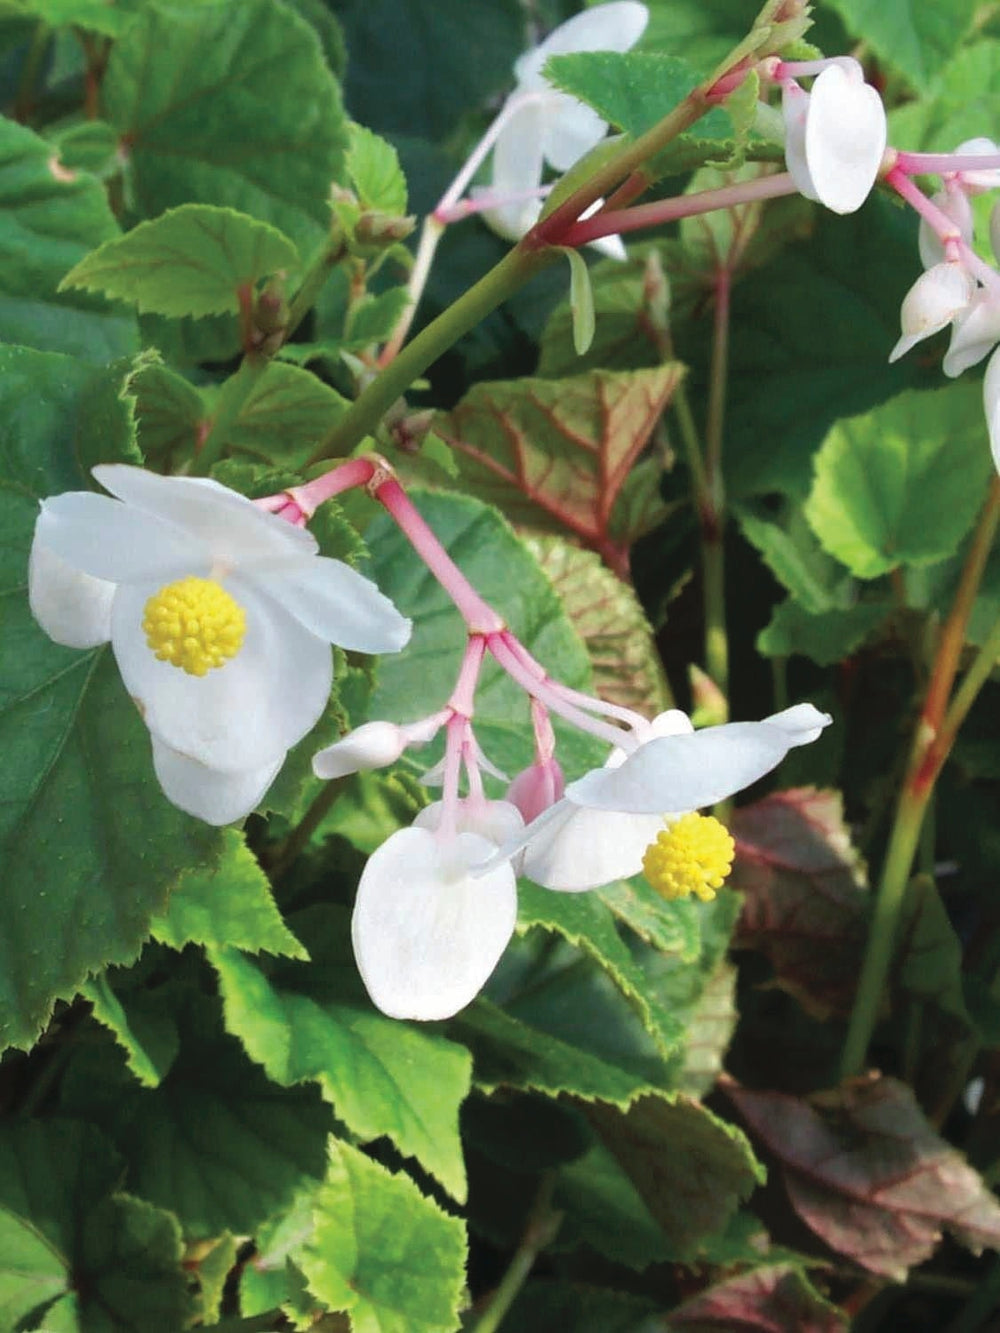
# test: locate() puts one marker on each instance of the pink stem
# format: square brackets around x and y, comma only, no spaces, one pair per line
[500,647]
[456,734]
[669,210]
[942,225]
[356,472]
[478,615]
[463,696]
[943,164]
[545,737]
[592,704]
[465,208]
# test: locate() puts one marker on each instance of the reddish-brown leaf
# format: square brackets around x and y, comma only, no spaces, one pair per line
[774,1299]
[867,1173]
[555,454]
[804,894]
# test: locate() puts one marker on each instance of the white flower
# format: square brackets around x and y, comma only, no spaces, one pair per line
[220,616]
[427,929]
[599,830]
[935,299]
[954,203]
[835,136]
[546,125]
[991,405]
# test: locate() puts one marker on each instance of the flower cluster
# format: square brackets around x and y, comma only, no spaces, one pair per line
[220,615]
[957,287]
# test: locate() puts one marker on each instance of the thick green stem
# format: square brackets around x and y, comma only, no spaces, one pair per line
[234,394]
[884,926]
[368,409]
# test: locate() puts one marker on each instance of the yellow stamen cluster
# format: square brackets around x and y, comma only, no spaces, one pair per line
[194,624]
[693,855]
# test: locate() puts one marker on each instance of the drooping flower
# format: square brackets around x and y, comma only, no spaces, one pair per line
[937,297]
[835,136]
[600,829]
[543,125]
[436,904]
[220,616]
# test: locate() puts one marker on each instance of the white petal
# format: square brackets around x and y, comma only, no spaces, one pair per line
[113,541]
[612,27]
[845,139]
[795,110]
[217,798]
[932,302]
[72,608]
[233,527]
[583,849]
[512,219]
[239,716]
[427,934]
[673,722]
[977,182]
[517,153]
[976,332]
[496,821]
[995,230]
[991,402]
[955,204]
[334,602]
[676,773]
[373,745]
[570,129]
[613,247]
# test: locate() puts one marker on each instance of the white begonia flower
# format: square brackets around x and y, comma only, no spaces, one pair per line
[546,125]
[971,180]
[976,333]
[991,405]
[220,616]
[934,300]
[835,136]
[605,821]
[427,930]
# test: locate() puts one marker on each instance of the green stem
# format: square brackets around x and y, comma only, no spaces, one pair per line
[714,518]
[543,1223]
[366,412]
[313,283]
[234,394]
[24,99]
[885,922]
[972,682]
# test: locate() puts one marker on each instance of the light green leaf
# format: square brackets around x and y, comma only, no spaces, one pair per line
[95,15]
[193,260]
[32,1272]
[76,754]
[374,318]
[184,85]
[917,39]
[383,1251]
[374,170]
[789,548]
[146,1034]
[52,217]
[581,302]
[229,904]
[382,1077]
[903,484]
[170,413]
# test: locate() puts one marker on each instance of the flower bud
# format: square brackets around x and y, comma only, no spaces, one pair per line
[932,302]
[373,745]
[536,788]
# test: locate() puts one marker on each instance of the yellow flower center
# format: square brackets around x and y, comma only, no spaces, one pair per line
[694,855]
[194,624]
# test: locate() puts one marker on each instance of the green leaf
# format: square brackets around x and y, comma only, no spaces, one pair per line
[383,1251]
[609,618]
[52,217]
[827,637]
[228,904]
[691,1167]
[216,1143]
[581,302]
[193,260]
[418,65]
[95,15]
[286,413]
[374,318]
[381,1077]
[32,1272]
[169,412]
[605,1210]
[789,548]
[546,1304]
[374,171]
[555,454]
[184,85]
[903,484]
[146,1035]
[120,1258]
[915,38]
[766,1296]
[76,754]
[929,958]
